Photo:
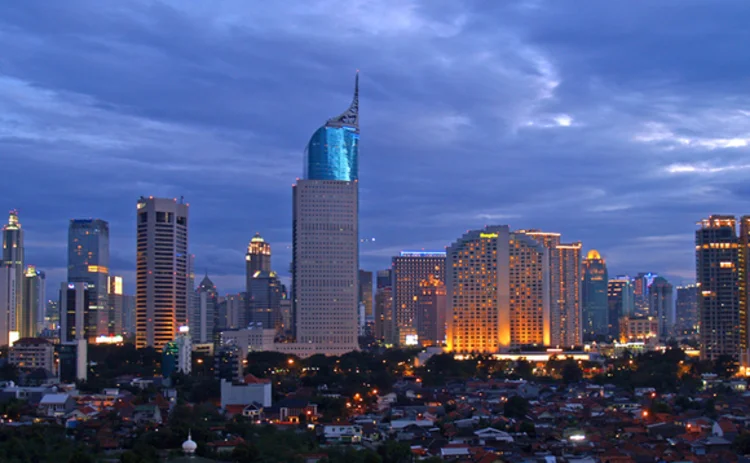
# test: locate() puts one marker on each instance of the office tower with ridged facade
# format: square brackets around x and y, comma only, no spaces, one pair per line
[594,296]
[722,318]
[161,270]
[12,273]
[325,237]
[88,262]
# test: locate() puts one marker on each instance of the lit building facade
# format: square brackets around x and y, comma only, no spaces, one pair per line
[641,284]
[325,237]
[8,297]
[365,291]
[722,323]
[13,260]
[529,283]
[203,322]
[236,311]
[431,312]
[32,354]
[410,269]
[34,291]
[266,293]
[638,329]
[76,322]
[384,307]
[161,270]
[594,296]
[621,302]
[566,327]
[686,309]
[88,262]
[661,306]
[478,291]
[116,302]
[257,259]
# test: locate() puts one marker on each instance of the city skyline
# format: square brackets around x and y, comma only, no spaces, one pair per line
[637,178]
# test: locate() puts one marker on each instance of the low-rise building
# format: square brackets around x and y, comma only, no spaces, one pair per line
[251,391]
[33,354]
[56,405]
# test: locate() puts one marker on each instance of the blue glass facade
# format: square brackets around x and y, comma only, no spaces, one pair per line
[333,150]
[332,154]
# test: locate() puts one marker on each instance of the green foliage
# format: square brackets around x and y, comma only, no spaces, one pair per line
[571,372]
[395,452]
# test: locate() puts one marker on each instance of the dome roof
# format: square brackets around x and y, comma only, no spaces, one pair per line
[189,446]
[593,254]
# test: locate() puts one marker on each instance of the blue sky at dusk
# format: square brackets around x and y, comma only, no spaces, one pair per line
[618,124]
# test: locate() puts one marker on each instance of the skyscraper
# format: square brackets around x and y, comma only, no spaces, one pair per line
[88,262]
[266,293]
[365,291]
[325,237]
[257,258]
[723,325]
[161,270]
[13,259]
[203,322]
[116,317]
[661,305]
[410,269]
[498,291]
[384,307]
[621,303]
[431,312]
[8,297]
[594,296]
[565,288]
[641,284]
[75,309]
[686,308]
[33,302]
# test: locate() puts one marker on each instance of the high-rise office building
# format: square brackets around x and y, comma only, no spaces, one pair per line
[621,303]
[661,305]
[529,285]
[266,293]
[128,314]
[641,284]
[431,312]
[161,270]
[8,297]
[686,309]
[565,288]
[384,307]
[325,237]
[723,325]
[236,311]
[410,269]
[365,291]
[88,262]
[76,323]
[594,296]
[13,259]
[257,258]
[203,322]
[116,317]
[743,285]
[34,290]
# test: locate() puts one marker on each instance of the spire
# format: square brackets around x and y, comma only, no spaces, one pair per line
[350,117]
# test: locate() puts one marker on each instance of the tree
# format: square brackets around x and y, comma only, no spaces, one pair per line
[571,372]
[523,369]
[245,453]
[395,452]
[79,456]
[725,366]
[516,407]
[742,443]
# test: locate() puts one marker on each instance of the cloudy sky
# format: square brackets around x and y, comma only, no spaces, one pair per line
[618,124]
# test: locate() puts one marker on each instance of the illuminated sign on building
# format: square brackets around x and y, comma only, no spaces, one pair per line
[422,254]
[488,235]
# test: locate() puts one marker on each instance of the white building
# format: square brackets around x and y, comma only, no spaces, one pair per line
[252,390]
[251,339]
[32,354]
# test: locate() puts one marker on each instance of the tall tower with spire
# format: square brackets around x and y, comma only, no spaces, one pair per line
[326,244]
[257,258]
[11,305]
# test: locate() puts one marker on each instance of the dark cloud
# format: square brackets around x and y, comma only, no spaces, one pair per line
[618,125]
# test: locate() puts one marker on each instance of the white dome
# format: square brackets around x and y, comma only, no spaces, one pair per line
[189,446]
